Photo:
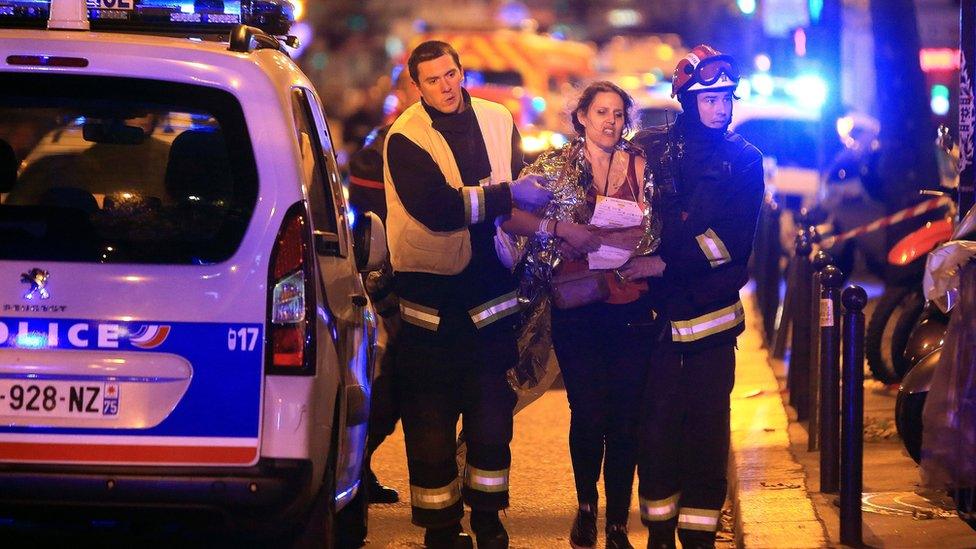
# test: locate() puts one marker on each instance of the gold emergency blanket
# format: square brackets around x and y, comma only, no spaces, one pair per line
[568,176]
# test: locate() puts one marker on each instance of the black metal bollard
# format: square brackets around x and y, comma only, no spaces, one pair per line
[852,406]
[831,278]
[798,377]
[820,260]
[768,273]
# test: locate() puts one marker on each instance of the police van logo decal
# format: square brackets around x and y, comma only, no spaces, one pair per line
[149,336]
[37,279]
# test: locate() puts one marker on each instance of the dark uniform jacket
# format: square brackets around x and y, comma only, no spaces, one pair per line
[712,189]
[429,199]
[366,175]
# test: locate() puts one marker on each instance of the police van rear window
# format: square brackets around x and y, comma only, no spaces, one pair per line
[112,170]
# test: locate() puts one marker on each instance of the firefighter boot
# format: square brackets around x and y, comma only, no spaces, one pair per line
[660,535]
[448,537]
[695,539]
[488,530]
[583,534]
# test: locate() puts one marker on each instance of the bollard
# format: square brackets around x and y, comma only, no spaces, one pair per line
[798,377]
[820,260]
[768,274]
[852,406]
[831,278]
[784,313]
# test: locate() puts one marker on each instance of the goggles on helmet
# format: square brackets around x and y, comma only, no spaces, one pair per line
[710,70]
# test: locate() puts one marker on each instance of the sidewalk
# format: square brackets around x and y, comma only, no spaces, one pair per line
[775,479]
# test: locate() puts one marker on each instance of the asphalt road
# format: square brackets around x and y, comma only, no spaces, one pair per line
[542,493]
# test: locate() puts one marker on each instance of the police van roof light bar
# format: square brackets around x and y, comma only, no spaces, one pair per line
[203,17]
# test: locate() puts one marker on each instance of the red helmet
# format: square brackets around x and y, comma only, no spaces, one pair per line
[704,68]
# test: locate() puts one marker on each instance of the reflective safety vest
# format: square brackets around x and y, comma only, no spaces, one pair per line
[414,247]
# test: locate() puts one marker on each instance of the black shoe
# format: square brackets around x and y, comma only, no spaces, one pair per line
[451,537]
[583,534]
[489,530]
[380,494]
[696,539]
[617,537]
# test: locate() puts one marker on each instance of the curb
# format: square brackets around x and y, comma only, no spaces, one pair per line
[767,484]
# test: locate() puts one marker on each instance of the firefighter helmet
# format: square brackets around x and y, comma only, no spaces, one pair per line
[704,68]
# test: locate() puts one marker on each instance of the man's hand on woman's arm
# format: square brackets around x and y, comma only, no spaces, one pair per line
[642,267]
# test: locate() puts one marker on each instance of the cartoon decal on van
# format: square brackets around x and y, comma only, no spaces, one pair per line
[37,278]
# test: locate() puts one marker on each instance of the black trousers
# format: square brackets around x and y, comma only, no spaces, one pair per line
[384,409]
[603,352]
[440,378]
[684,443]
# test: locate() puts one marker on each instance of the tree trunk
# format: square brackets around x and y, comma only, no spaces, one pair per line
[906,163]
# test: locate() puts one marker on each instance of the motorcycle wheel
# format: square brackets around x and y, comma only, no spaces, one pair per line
[908,421]
[879,339]
[913,305]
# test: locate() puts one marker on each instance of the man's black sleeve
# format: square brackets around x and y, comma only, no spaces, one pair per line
[518,158]
[428,197]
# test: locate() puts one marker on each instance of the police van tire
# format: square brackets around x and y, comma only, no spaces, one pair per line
[877,339]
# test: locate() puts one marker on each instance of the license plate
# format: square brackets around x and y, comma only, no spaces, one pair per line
[59,399]
[112,4]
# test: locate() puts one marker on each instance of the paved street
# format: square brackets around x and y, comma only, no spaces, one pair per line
[543,497]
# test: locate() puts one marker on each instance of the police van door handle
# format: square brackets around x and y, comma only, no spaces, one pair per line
[359,300]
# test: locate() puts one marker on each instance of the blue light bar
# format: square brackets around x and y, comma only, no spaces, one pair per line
[178,16]
[24,13]
[161,16]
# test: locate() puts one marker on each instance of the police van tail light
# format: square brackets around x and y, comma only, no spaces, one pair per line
[291,296]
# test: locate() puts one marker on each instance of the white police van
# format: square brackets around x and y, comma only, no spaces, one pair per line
[182,320]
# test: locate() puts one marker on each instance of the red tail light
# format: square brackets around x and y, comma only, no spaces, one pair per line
[291,298]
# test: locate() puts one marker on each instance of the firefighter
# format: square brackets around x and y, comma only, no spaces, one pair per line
[712,183]
[449,165]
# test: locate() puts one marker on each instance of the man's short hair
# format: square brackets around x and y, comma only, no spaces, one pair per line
[431,49]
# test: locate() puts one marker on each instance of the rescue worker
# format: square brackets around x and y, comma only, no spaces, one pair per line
[366,195]
[450,161]
[712,181]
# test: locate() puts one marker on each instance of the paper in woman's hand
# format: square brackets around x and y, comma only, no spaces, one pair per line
[613,213]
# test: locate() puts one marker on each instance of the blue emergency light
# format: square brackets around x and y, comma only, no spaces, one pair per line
[24,13]
[161,16]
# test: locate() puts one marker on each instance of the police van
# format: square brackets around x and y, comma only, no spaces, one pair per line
[183,324]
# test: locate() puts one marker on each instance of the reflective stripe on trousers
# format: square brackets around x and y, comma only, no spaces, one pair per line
[435,498]
[485,481]
[659,510]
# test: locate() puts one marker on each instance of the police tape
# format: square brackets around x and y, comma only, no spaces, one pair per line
[897,217]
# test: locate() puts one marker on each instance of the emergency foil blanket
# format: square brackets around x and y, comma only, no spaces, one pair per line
[568,176]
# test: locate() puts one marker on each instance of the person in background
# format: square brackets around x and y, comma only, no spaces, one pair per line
[366,195]
[712,186]
[448,177]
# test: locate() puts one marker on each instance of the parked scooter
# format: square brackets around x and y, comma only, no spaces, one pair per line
[902,304]
[924,348]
